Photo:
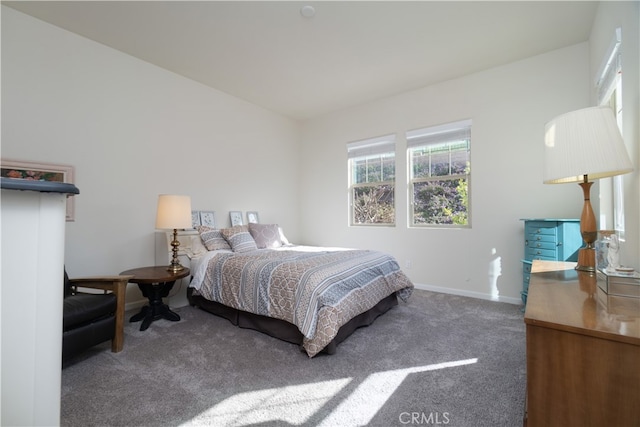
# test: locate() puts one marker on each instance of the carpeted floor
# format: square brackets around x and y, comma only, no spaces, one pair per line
[437,360]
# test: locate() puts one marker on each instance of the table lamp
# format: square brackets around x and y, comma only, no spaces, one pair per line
[174,212]
[579,146]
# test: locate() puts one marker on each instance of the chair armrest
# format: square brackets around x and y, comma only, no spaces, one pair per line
[108,283]
[117,285]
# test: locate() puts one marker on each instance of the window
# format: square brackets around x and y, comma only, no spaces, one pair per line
[372,173]
[609,92]
[439,175]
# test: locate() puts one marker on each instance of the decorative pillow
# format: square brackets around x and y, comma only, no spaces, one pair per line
[239,238]
[212,238]
[265,235]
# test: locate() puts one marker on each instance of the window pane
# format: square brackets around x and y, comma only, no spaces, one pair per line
[373,205]
[420,163]
[459,157]
[359,171]
[440,161]
[373,168]
[440,202]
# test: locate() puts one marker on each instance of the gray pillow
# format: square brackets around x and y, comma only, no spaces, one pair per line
[239,238]
[212,238]
[265,235]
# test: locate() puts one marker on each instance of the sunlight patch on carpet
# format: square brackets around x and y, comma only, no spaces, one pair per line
[296,404]
[292,405]
[370,396]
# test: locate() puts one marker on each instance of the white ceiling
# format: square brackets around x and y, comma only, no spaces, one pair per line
[349,53]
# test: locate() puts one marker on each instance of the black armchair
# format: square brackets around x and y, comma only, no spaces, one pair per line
[90,319]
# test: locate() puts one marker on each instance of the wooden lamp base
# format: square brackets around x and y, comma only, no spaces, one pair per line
[586,259]
[588,230]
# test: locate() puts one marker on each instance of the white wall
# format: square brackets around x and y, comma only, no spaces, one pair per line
[133,131]
[624,15]
[509,106]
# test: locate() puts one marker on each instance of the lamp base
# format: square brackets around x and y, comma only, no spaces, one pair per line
[587,259]
[588,230]
[175,268]
[175,265]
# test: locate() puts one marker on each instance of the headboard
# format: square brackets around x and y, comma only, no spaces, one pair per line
[164,250]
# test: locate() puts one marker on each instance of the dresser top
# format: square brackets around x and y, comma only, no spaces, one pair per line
[565,299]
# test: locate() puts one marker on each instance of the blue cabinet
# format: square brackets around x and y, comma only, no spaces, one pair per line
[548,239]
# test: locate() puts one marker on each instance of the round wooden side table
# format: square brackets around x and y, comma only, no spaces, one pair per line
[155,284]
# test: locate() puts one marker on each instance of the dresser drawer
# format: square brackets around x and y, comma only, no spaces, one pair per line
[526,275]
[550,238]
[541,228]
[539,253]
[540,245]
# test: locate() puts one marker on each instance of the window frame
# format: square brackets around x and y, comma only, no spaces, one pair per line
[449,134]
[608,88]
[363,150]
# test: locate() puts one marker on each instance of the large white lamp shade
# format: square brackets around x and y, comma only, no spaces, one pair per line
[579,146]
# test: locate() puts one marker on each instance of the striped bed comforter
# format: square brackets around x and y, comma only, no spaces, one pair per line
[317,291]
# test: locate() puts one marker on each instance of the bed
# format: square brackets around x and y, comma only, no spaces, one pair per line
[311,296]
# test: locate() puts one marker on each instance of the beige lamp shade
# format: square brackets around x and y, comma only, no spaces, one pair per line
[173,212]
[584,142]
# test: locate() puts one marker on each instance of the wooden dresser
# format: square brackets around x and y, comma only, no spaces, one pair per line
[583,351]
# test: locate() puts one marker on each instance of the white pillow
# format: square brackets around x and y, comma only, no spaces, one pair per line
[283,238]
[197,247]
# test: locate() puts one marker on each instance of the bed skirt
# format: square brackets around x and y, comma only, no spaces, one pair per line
[284,330]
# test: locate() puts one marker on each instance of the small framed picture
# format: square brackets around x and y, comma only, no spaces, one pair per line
[207,218]
[252,217]
[236,218]
[195,219]
[30,171]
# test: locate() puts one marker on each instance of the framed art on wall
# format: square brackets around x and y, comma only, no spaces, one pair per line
[252,217]
[195,219]
[208,219]
[236,218]
[31,171]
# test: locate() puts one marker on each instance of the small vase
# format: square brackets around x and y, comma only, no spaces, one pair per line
[602,248]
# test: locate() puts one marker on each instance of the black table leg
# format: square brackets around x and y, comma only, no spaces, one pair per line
[156,308]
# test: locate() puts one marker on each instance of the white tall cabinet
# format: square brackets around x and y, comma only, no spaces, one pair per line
[31,292]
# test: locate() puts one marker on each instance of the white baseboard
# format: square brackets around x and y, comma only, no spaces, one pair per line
[136,305]
[464,293]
